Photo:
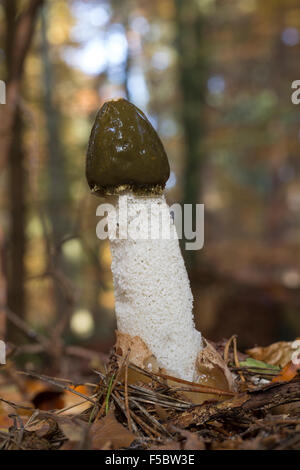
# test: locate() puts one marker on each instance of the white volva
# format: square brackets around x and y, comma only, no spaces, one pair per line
[152,291]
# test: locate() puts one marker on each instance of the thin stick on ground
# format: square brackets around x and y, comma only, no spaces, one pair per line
[197,387]
[57,384]
[118,401]
[126,394]
[236,359]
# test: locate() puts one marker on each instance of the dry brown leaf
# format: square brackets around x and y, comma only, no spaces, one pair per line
[69,445]
[49,400]
[277,354]
[42,428]
[109,430]
[169,445]
[192,441]
[237,444]
[34,386]
[71,399]
[5,422]
[73,431]
[212,370]
[288,373]
[140,354]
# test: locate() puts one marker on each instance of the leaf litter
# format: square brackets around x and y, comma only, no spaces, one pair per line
[127,407]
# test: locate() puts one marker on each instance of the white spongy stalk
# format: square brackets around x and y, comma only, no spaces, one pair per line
[153,299]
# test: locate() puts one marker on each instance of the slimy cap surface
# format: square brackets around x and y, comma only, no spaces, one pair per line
[124,152]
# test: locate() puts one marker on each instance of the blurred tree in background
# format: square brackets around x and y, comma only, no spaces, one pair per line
[16,44]
[214,78]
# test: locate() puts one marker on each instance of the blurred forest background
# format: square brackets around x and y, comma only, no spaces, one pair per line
[214,78]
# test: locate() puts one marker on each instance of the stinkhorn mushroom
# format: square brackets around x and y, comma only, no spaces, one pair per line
[153,298]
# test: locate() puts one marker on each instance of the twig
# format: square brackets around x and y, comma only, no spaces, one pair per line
[67,408]
[226,350]
[15,405]
[233,340]
[150,418]
[126,394]
[19,323]
[165,403]
[149,431]
[199,387]
[263,399]
[118,400]
[236,359]
[57,384]
[144,393]
[146,373]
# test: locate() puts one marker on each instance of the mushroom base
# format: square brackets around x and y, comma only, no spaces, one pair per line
[210,368]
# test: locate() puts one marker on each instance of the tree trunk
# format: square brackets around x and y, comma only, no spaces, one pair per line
[19,33]
[192,76]
[16,244]
[192,73]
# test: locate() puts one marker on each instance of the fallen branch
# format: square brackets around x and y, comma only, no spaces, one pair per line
[263,400]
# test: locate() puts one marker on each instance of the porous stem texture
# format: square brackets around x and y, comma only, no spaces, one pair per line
[153,298]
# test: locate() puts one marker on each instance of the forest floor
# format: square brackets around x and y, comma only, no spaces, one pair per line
[123,407]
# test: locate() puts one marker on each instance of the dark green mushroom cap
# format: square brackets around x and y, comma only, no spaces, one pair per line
[125,152]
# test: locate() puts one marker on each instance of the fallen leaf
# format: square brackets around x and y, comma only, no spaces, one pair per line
[43,428]
[212,371]
[75,432]
[288,373]
[69,445]
[34,386]
[140,354]
[169,445]
[5,422]
[108,429]
[71,399]
[48,400]
[277,354]
[192,441]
